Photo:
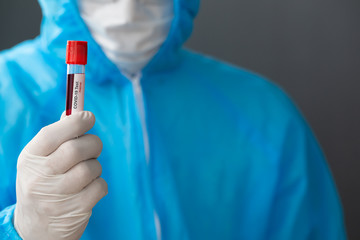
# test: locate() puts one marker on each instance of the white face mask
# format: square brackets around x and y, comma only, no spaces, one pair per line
[130,32]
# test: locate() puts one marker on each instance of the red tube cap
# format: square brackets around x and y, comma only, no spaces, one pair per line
[76,52]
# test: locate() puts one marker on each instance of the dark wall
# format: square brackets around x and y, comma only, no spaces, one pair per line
[309,47]
[19,20]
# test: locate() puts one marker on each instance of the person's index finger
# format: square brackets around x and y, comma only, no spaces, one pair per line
[52,136]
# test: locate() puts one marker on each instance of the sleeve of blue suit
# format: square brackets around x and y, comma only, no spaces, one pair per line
[306,204]
[7,230]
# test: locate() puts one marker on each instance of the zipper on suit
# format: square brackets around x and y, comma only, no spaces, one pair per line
[139,100]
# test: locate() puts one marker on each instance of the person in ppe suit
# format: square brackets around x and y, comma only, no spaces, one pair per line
[191,148]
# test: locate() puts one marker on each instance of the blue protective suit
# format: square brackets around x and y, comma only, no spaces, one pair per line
[230,157]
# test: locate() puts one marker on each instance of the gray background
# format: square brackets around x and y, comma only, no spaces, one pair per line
[309,47]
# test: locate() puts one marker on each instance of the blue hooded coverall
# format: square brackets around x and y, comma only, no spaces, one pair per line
[230,156]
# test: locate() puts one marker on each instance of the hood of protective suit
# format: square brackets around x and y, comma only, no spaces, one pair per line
[62,22]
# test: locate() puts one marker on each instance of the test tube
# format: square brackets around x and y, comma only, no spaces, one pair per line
[76,59]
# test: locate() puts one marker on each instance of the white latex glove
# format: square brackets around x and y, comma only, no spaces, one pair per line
[58,180]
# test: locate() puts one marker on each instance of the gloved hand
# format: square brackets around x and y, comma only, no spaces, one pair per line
[58,180]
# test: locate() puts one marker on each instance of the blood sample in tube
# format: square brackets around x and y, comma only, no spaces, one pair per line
[76,59]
